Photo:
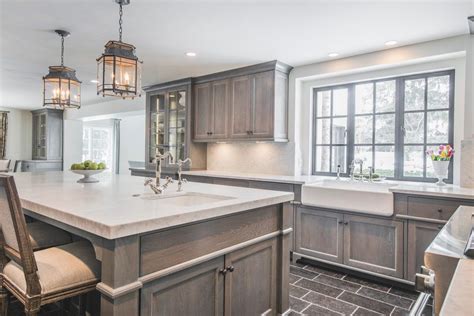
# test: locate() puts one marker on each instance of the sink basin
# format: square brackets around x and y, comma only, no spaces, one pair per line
[361,197]
[185,198]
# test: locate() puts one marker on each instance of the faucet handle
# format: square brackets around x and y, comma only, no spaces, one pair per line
[148,181]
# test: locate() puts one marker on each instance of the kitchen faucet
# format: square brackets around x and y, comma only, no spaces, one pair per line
[352,168]
[156,187]
[180,164]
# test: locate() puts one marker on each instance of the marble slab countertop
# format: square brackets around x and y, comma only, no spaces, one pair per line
[431,189]
[109,209]
[459,299]
[302,179]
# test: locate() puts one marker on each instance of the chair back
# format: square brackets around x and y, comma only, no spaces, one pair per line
[15,241]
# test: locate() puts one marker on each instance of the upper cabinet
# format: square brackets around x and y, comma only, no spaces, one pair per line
[168,123]
[47,134]
[248,103]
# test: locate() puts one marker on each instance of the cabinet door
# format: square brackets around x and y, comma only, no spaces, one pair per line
[420,236]
[319,234]
[202,111]
[251,288]
[35,138]
[194,291]
[374,244]
[220,101]
[240,107]
[263,104]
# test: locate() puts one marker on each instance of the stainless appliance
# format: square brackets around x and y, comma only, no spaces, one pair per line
[441,259]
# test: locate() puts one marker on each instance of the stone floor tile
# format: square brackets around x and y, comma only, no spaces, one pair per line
[314,310]
[405,293]
[294,278]
[297,305]
[368,283]
[302,273]
[330,303]
[319,287]
[368,303]
[332,273]
[400,312]
[297,291]
[386,297]
[365,312]
[344,285]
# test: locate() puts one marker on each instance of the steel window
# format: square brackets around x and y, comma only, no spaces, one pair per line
[388,123]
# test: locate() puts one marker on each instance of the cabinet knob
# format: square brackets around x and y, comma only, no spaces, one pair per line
[340,222]
[230,268]
[223,271]
[251,132]
[440,211]
[440,226]
[346,223]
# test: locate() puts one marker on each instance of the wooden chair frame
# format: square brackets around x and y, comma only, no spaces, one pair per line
[33,299]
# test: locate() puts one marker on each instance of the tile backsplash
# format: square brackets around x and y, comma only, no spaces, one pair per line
[265,158]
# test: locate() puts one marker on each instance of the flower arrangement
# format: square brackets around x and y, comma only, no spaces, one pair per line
[445,153]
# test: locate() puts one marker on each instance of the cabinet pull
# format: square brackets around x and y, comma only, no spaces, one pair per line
[223,271]
[230,268]
[346,223]
[440,226]
[440,211]
[340,222]
[251,132]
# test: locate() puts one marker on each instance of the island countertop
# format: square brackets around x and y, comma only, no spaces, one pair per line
[110,210]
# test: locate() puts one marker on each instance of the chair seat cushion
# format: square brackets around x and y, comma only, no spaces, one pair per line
[44,236]
[59,268]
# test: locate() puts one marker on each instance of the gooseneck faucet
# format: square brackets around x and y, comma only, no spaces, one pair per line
[159,157]
[180,164]
[156,187]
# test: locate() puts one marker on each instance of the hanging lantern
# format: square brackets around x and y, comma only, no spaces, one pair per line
[61,88]
[118,69]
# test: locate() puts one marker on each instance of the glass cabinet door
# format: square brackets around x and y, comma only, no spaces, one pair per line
[157,125]
[168,124]
[177,123]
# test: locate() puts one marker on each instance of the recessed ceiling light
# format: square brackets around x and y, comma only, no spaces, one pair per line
[191,54]
[332,55]
[391,43]
[94,81]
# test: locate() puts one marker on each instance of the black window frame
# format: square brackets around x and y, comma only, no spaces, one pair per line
[399,124]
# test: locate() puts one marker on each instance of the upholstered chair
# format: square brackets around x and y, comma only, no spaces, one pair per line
[44,276]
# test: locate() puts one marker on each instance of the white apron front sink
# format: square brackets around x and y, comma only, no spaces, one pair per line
[362,197]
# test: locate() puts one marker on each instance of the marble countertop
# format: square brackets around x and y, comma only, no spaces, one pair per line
[302,179]
[109,209]
[420,188]
[431,189]
[459,299]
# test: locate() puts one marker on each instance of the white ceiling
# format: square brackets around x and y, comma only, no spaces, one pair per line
[224,34]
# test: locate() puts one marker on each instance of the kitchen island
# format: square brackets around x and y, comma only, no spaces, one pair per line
[209,250]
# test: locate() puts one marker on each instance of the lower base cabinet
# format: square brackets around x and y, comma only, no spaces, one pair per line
[420,236]
[363,242]
[242,282]
[374,244]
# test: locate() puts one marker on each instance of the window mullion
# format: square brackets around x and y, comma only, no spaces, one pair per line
[399,123]
[350,126]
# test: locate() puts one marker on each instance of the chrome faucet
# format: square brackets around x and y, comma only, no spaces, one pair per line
[158,189]
[180,164]
[158,158]
[371,172]
[361,166]
[338,172]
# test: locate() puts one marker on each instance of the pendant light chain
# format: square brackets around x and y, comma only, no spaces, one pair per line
[120,22]
[62,50]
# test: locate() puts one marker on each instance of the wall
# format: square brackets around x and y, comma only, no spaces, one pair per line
[72,152]
[132,141]
[264,158]
[434,55]
[19,134]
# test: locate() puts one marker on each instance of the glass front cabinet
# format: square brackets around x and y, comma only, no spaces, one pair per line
[168,121]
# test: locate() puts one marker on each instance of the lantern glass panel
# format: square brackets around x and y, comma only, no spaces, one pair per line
[75,92]
[125,74]
[51,88]
[100,74]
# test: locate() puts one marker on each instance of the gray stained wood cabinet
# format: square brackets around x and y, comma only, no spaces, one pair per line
[249,103]
[420,236]
[367,243]
[211,101]
[242,282]
[47,134]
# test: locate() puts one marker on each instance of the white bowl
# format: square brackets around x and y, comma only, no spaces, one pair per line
[88,175]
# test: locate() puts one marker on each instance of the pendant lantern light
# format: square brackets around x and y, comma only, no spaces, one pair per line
[61,88]
[118,69]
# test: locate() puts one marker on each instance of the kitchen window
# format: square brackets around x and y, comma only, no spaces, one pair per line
[388,124]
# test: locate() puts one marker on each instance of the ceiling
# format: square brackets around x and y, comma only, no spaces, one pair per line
[224,34]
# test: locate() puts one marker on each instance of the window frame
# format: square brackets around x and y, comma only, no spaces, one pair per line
[399,112]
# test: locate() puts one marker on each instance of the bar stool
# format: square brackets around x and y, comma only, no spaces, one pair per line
[45,276]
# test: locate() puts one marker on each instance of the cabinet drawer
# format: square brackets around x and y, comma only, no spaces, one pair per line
[433,208]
